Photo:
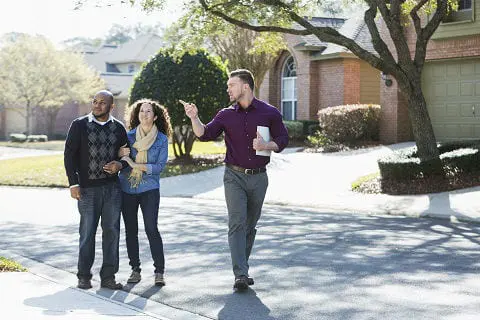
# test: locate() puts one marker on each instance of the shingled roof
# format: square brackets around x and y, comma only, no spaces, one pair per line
[353,28]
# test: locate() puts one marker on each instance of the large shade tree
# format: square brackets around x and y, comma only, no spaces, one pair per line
[242,48]
[40,78]
[405,64]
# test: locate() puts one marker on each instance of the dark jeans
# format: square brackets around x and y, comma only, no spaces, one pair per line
[103,202]
[244,195]
[149,202]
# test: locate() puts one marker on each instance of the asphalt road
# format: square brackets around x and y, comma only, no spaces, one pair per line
[307,264]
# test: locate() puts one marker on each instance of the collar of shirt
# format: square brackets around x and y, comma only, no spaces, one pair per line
[252,105]
[92,118]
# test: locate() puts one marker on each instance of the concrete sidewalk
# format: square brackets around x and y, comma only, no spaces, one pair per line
[323,181]
[45,292]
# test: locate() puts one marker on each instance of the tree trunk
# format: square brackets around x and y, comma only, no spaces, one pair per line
[28,113]
[421,125]
[422,128]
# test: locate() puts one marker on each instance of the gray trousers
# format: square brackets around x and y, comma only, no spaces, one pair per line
[244,195]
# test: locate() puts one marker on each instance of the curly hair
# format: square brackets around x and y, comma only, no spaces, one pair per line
[163,119]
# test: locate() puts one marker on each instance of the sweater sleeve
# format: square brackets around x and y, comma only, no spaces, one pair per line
[72,153]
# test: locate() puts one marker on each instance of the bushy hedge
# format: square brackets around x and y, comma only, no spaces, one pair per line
[299,130]
[350,123]
[295,130]
[404,164]
[20,137]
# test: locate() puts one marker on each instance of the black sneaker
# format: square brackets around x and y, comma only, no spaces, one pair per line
[111,284]
[84,284]
[250,281]
[241,283]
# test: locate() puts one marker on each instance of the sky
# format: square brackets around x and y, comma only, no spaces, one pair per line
[58,21]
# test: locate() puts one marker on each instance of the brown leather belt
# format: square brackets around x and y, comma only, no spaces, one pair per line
[246,171]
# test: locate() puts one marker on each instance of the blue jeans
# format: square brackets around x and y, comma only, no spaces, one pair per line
[149,202]
[102,202]
[244,195]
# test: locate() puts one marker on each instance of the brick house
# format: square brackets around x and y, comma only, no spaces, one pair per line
[311,75]
[328,75]
[450,81]
[117,65]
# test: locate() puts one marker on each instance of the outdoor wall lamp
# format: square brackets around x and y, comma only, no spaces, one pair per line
[388,81]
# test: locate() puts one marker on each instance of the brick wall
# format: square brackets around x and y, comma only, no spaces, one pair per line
[351,81]
[330,83]
[304,84]
[454,48]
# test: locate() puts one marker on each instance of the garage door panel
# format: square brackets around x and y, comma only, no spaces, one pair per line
[438,72]
[467,69]
[467,88]
[452,70]
[438,111]
[453,98]
[466,110]
[452,90]
[439,90]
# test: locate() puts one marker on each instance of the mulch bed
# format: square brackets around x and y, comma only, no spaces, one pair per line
[420,186]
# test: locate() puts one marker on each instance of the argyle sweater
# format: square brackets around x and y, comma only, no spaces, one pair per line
[89,146]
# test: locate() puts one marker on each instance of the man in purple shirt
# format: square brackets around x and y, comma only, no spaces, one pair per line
[245,178]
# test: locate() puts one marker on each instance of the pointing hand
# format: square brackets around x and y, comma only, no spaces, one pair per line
[191,109]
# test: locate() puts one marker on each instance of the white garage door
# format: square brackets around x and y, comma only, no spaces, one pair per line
[452,91]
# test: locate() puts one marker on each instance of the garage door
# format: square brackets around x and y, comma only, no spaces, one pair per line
[452,91]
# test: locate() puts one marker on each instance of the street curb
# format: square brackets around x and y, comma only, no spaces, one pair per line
[152,309]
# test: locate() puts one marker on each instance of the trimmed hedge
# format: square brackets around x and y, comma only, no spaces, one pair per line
[455,157]
[20,137]
[350,123]
[295,130]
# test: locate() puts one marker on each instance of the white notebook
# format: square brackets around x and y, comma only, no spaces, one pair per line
[265,133]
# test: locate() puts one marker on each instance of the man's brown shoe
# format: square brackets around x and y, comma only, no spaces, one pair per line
[111,284]
[241,283]
[84,284]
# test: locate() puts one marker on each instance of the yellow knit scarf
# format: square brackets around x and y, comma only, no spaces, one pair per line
[143,142]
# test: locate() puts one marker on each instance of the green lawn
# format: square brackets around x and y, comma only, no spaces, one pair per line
[199,147]
[48,171]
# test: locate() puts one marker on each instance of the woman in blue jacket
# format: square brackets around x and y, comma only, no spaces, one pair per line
[149,129]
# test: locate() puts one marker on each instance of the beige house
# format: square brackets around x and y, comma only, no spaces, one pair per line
[117,65]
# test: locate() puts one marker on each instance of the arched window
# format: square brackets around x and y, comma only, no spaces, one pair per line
[289,90]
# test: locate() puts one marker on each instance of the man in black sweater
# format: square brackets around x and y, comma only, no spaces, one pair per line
[91,164]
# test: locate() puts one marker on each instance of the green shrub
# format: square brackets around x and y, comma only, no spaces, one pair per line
[454,158]
[310,127]
[18,137]
[37,138]
[350,123]
[320,141]
[295,130]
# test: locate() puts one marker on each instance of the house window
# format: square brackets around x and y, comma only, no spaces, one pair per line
[289,90]
[463,13]
[131,68]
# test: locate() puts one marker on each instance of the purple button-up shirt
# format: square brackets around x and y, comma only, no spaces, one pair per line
[240,127]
